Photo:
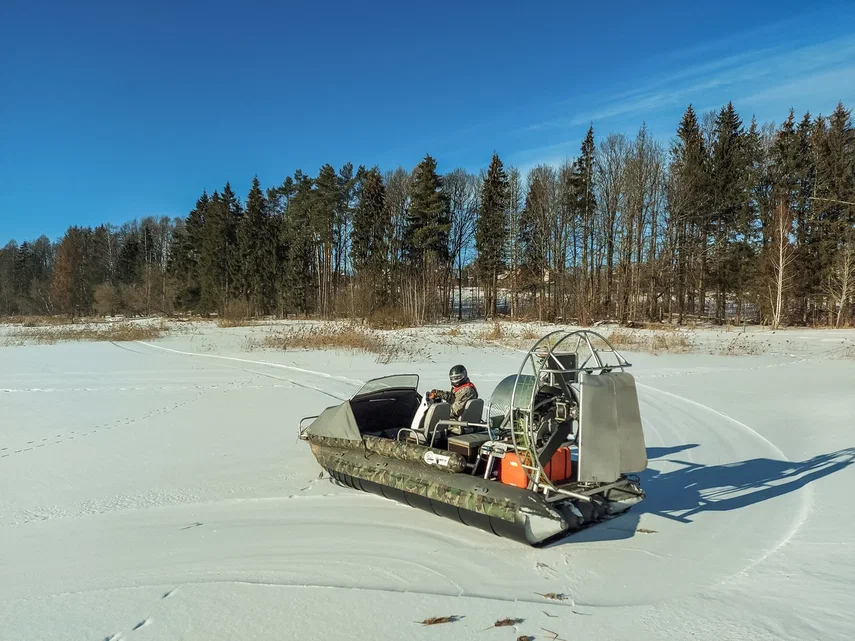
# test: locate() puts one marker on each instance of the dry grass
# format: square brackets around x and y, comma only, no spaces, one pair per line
[506,623]
[454,332]
[388,318]
[555,596]
[529,334]
[342,337]
[847,352]
[741,346]
[439,620]
[494,333]
[345,338]
[233,322]
[35,321]
[622,338]
[525,637]
[114,332]
[653,342]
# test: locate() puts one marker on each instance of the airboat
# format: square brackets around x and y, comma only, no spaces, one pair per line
[558,448]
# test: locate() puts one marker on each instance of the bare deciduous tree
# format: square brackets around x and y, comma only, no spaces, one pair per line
[610,176]
[840,285]
[461,189]
[781,257]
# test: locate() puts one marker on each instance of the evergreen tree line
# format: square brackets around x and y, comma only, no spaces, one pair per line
[729,221]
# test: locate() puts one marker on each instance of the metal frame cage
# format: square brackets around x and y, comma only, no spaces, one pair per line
[550,362]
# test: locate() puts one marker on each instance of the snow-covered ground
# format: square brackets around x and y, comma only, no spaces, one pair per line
[158,491]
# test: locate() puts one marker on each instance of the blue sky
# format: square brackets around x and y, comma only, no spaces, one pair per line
[116,110]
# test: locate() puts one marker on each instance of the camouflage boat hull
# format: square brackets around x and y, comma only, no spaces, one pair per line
[503,510]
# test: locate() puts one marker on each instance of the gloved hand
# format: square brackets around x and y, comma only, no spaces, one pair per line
[434,395]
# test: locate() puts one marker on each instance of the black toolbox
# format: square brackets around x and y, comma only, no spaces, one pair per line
[467,445]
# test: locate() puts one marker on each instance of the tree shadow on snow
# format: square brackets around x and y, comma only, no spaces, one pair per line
[694,488]
[661,452]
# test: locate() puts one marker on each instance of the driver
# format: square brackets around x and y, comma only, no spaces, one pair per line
[462,391]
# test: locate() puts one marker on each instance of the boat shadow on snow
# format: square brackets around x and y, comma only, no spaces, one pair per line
[693,488]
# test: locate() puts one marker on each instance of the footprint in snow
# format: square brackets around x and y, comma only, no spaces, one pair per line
[141,624]
[166,595]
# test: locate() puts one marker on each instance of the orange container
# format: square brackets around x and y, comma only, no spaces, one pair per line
[558,469]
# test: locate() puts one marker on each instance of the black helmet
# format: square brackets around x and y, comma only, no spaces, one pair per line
[457,375]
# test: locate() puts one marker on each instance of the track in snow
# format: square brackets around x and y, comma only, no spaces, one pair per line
[219,494]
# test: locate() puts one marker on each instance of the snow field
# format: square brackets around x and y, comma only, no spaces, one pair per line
[157,490]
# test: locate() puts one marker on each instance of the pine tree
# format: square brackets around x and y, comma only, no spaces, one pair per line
[727,167]
[690,205]
[368,239]
[188,247]
[426,238]
[586,206]
[534,235]
[279,200]
[491,230]
[257,251]
[8,254]
[326,210]
[214,261]
[235,286]
[300,275]
[755,194]
[130,260]
[835,191]
[428,222]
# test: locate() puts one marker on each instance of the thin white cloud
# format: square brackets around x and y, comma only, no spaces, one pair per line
[820,89]
[763,72]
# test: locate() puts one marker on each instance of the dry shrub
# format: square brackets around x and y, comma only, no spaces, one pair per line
[389,318]
[345,338]
[740,346]
[439,620]
[342,337]
[453,332]
[529,334]
[669,343]
[656,326]
[36,321]
[621,338]
[555,596]
[654,342]
[114,332]
[233,322]
[495,333]
[505,623]
[108,299]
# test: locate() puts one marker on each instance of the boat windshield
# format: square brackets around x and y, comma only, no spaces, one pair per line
[396,381]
